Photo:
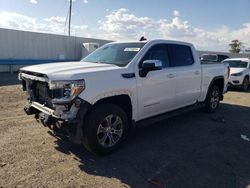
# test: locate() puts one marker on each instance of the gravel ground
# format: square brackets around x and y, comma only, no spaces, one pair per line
[190,150]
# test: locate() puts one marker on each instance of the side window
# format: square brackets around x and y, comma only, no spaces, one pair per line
[225,57]
[158,52]
[181,55]
[220,58]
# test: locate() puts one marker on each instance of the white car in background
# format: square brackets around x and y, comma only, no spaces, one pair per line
[239,72]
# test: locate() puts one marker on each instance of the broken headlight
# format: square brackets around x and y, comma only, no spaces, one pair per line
[71,89]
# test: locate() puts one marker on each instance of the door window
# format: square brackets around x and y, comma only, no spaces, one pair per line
[181,55]
[158,52]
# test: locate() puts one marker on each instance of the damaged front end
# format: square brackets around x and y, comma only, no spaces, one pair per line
[55,103]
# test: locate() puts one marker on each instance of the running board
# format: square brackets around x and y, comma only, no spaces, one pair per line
[167,115]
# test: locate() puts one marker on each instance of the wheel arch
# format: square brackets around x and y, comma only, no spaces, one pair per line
[218,81]
[124,101]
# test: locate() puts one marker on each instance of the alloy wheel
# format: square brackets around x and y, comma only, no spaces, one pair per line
[215,98]
[110,130]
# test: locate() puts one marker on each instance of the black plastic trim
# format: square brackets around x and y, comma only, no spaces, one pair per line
[167,115]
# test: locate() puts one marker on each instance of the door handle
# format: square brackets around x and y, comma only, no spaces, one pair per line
[170,75]
[197,72]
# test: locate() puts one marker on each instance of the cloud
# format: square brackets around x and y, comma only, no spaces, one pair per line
[56,19]
[54,24]
[217,39]
[176,28]
[242,34]
[123,25]
[16,21]
[176,13]
[33,1]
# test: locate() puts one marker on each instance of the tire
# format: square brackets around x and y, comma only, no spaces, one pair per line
[213,99]
[105,129]
[245,84]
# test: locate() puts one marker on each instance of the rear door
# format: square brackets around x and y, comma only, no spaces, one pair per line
[188,74]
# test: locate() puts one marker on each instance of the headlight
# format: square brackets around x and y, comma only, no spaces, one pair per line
[71,88]
[237,74]
[77,87]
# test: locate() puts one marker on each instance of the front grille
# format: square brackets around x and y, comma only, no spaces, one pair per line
[42,94]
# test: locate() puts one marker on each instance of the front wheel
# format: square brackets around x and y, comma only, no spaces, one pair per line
[105,129]
[245,84]
[213,99]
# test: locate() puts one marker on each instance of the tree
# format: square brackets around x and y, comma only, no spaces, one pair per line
[235,46]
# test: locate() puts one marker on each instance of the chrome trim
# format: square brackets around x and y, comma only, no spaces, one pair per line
[31,77]
[42,108]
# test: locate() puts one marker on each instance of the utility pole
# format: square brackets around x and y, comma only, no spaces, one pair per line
[70,8]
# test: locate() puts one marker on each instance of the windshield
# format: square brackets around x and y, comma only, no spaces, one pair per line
[209,57]
[119,54]
[237,64]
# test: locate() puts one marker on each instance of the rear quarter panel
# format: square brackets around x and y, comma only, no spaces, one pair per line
[209,72]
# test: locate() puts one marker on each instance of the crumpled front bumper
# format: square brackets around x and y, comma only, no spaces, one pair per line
[59,112]
[68,122]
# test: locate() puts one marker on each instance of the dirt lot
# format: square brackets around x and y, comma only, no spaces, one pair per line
[192,150]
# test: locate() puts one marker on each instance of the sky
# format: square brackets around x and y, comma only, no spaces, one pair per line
[209,25]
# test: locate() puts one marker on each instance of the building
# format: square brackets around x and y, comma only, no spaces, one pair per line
[18,48]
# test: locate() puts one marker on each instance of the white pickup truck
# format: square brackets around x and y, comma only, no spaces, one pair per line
[121,84]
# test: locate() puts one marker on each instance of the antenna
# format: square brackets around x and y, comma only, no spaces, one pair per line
[70,8]
[142,38]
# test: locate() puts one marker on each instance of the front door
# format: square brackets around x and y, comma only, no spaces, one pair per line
[156,91]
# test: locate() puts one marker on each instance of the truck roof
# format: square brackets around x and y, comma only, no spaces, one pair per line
[154,41]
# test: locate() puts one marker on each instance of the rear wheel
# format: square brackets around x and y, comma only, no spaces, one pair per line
[245,84]
[105,129]
[213,99]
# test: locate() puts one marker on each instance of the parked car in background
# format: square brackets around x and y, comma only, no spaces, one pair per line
[239,72]
[99,98]
[206,58]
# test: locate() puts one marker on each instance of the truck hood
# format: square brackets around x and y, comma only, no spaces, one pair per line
[236,70]
[68,70]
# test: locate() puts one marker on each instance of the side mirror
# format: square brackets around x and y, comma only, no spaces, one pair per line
[150,65]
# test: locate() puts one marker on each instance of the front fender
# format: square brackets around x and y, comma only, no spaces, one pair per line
[117,93]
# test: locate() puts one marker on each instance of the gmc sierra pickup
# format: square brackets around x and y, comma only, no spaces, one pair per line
[96,101]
